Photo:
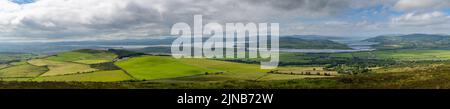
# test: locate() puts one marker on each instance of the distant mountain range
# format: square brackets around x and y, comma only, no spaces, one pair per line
[295,42]
[412,41]
[287,42]
[315,37]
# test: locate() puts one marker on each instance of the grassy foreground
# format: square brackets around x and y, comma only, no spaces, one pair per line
[98,76]
[436,77]
[376,81]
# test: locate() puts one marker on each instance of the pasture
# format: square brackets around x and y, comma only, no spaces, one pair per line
[84,56]
[22,71]
[98,76]
[231,70]
[92,61]
[400,55]
[241,71]
[83,65]
[159,67]
[305,70]
[61,68]
[14,57]
[3,66]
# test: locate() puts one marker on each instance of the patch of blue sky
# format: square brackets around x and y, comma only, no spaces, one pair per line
[22,1]
[377,13]
[447,11]
[374,14]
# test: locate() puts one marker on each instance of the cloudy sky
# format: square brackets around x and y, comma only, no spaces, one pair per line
[118,19]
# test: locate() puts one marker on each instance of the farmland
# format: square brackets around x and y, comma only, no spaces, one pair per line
[84,56]
[155,67]
[24,70]
[14,57]
[403,55]
[435,78]
[98,76]
[61,68]
[297,70]
[88,66]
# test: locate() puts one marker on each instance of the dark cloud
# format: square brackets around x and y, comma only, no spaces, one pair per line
[327,6]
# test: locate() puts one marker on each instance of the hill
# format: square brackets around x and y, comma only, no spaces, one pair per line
[310,43]
[412,41]
[316,37]
[287,42]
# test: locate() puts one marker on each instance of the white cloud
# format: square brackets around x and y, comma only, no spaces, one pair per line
[421,19]
[95,19]
[60,18]
[403,5]
[133,18]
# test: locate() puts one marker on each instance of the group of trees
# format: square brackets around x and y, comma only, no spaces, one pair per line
[105,66]
[348,69]
[301,73]
[124,53]
[343,65]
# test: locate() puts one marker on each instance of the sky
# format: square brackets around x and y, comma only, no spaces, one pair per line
[30,20]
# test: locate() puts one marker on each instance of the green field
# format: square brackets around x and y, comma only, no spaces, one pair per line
[231,71]
[415,54]
[21,79]
[61,68]
[309,70]
[159,67]
[3,66]
[239,71]
[98,76]
[84,56]
[92,61]
[14,57]
[382,55]
[304,69]
[169,69]
[156,68]
[22,71]
[402,55]
[69,66]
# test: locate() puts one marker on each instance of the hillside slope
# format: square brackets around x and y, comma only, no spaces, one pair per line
[412,41]
[300,43]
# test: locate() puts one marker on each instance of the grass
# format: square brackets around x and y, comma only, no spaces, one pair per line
[3,66]
[241,71]
[159,67]
[299,69]
[295,57]
[271,77]
[410,67]
[432,78]
[21,79]
[6,57]
[397,55]
[232,71]
[165,72]
[98,76]
[84,56]
[401,55]
[92,61]
[25,70]
[409,55]
[61,68]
